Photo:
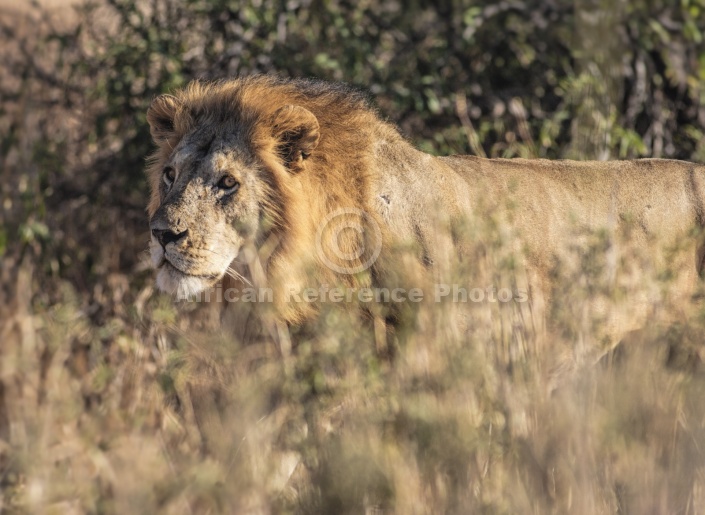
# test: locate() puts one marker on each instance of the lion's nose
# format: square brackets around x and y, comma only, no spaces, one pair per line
[164,237]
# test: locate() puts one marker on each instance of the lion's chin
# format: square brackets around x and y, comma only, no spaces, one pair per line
[183,286]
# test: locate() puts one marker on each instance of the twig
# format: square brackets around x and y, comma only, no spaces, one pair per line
[461,109]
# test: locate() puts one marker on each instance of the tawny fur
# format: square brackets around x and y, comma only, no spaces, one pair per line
[347,156]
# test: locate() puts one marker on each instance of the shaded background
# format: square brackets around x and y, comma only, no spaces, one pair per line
[593,79]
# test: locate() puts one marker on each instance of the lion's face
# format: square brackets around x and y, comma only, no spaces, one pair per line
[210,195]
[216,184]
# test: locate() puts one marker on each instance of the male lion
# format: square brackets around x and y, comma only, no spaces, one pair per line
[256,166]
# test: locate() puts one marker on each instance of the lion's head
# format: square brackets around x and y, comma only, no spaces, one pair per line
[238,160]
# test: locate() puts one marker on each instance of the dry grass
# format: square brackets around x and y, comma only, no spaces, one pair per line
[143,414]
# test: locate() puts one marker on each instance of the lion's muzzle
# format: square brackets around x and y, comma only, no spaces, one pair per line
[166,236]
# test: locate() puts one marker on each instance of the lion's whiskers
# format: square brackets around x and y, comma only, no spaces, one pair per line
[230,271]
[237,276]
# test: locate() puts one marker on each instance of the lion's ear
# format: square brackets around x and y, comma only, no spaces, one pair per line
[160,117]
[297,133]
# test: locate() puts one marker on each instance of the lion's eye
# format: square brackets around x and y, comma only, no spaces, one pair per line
[169,174]
[228,183]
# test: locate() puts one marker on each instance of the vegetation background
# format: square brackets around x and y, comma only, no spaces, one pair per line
[111,402]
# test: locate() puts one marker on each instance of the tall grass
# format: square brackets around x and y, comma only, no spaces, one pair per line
[146,413]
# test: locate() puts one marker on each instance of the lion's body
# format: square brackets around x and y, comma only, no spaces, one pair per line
[650,211]
[295,172]
[662,201]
